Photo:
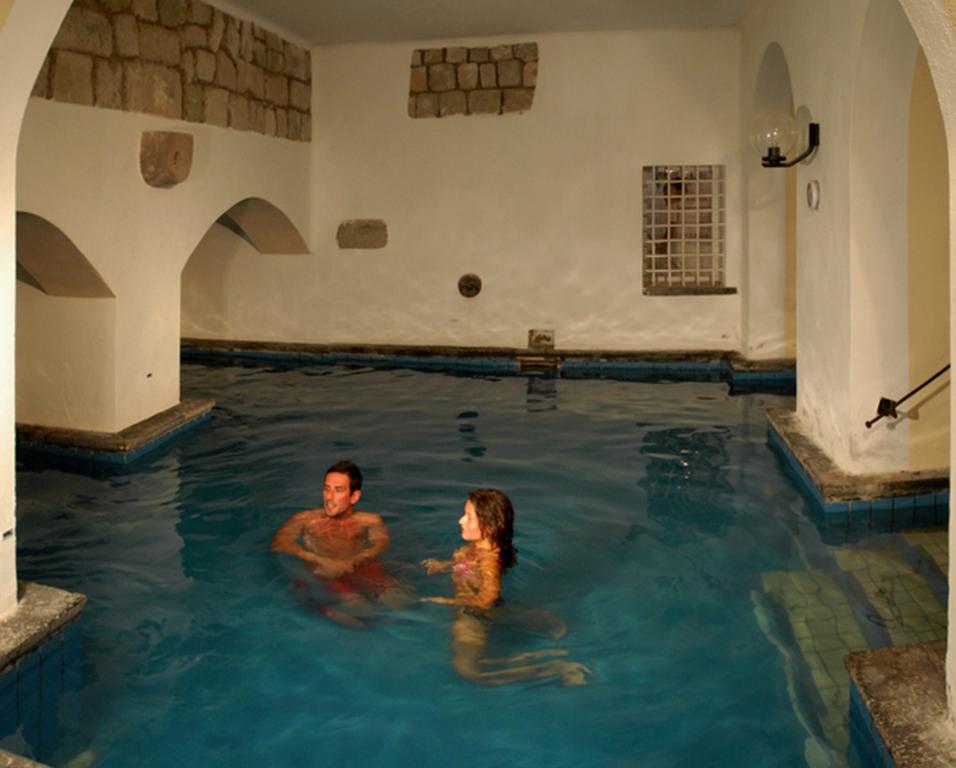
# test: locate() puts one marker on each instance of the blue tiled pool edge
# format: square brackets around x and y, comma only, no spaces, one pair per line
[865,735]
[890,512]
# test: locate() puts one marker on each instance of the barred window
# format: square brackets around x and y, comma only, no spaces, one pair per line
[684,220]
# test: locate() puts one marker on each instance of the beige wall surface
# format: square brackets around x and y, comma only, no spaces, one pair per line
[544,206]
[928,274]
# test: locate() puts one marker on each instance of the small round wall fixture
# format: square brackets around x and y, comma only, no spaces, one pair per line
[469,285]
[813,195]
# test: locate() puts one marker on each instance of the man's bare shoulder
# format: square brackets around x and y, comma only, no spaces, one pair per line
[368,518]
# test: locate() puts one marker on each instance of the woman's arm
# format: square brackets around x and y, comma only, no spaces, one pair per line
[489,565]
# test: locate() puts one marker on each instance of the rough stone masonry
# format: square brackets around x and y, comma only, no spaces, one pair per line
[182,59]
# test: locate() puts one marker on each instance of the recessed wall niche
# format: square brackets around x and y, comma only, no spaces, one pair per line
[484,80]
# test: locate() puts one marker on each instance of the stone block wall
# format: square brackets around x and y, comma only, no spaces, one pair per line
[182,59]
[473,81]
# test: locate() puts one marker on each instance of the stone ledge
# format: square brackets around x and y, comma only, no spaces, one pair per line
[904,689]
[126,441]
[10,760]
[833,483]
[733,359]
[41,612]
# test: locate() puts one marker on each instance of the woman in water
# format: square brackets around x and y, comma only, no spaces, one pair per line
[487,527]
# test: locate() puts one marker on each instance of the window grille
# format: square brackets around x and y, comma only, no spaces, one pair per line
[684,220]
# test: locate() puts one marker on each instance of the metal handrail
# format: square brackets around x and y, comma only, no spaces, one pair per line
[887,407]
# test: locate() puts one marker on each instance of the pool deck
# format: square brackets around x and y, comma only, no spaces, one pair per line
[904,689]
[835,485]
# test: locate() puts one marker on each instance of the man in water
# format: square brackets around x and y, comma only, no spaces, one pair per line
[339,543]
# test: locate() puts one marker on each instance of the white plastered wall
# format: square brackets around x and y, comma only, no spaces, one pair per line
[86,181]
[26,31]
[851,67]
[545,206]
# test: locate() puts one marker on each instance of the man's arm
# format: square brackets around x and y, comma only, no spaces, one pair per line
[287,540]
[378,539]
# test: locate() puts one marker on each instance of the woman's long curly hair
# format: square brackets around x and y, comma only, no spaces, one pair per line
[496,519]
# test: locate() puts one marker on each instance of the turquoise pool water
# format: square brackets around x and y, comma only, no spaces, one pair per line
[652,517]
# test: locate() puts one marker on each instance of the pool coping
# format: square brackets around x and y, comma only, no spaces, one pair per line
[115,447]
[40,612]
[903,689]
[730,364]
[838,492]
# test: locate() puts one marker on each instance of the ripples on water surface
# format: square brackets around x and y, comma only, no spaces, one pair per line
[646,514]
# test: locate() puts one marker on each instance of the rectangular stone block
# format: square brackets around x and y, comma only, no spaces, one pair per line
[239,112]
[433,55]
[126,31]
[529,76]
[282,123]
[416,58]
[225,71]
[441,77]
[199,12]
[517,99]
[501,52]
[270,121]
[488,75]
[72,80]
[300,95]
[306,128]
[247,41]
[217,28]
[194,36]
[484,102]
[298,63]
[362,233]
[173,13]
[452,103]
[275,62]
[257,116]
[231,39]
[251,79]
[426,105]
[159,44]
[205,66]
[467,76]
[216,106]
[108,84]
[509,73]
[116,6]
[479,55]
[192,103]
[153,88]
[274,42]
[277,90]
[145,10]
[418,80]
[526,51]
[189,67]
[456,55]
[85,31]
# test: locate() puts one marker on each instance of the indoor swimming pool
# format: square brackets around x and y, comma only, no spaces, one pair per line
[699,586]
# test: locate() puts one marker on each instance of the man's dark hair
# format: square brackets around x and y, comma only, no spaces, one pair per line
[351,469]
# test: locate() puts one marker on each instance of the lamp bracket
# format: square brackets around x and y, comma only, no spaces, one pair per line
[774,159]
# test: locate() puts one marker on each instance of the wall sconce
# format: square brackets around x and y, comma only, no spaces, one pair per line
[773,135]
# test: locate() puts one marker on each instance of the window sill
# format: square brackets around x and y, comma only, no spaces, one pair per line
[709,290]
